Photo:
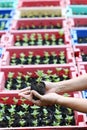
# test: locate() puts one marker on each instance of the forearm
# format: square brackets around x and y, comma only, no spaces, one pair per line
[77,104]
[75,84]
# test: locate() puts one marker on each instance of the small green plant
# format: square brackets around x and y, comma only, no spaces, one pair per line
[13,59]
[15,100]
[53,38]
[22,122]
[25,38]
[37,59]
[22,58]
[2,26]
[17,41]
[40,75]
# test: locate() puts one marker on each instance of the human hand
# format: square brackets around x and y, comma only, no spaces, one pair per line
[43,100]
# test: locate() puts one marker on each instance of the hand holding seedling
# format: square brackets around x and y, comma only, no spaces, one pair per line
[51,97]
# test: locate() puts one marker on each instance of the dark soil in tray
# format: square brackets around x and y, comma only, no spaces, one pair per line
[19,116]
[40,60]
[40,42]
[82,40]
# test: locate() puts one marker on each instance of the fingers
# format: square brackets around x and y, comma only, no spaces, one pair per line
[36,94]
[25,89]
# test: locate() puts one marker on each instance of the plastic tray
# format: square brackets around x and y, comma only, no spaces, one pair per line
[76,10]
[6,59]
[77,33]
[4,24]
[36,3]
[78,2]
[75,22]
[35,12]
[27,24]
[78,50]
[10,39]
[8,4]
[5,12]
[79,117]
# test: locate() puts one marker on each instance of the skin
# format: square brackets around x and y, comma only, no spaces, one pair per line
[54,94]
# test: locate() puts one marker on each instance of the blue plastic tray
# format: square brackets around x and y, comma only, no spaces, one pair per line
[84,94]
[6,11]
[77,33]
[6,22]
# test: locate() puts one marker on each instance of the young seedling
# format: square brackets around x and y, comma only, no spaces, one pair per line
[2,27]
[37,61]
[22,58]
[15,100]
[22,122]
[53,39]
[25,39]
[17,41]
[39,86]
[13,59]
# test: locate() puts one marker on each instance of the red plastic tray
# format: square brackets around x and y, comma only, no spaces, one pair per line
[10,94]
[5,60]
[78,2]
[76,22]
[82,67]
[9,39]
[16,24]
[33,68]
[36,3]
[78,49]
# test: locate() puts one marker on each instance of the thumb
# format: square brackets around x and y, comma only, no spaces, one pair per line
[36,94]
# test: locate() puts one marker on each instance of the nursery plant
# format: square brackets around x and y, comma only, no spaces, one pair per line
[39,86]
[40,26]
[24,80]
[24,115]
[38,39]
[82,40]
[84,56]
[47,58]
[42,14]
[6,16]
[2,25]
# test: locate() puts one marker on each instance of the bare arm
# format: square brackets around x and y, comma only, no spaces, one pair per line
[75,84]
[78,104]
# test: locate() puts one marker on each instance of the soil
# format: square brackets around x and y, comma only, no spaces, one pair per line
[43,16]
[31,80]
[29,118]
[40,27]
[39,87]
[41,60]
[44,42]
[82,40]
[84,57]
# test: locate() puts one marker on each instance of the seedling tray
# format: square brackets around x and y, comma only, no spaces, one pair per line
[76,10]
[80,53]
[6,13]
[79,35]
[71,72]
[34,38]
[10,95]
[4,24]
[79,22]
[36,3]
[8,4]
[41,12]
[37,55]
[78,2]
[27,24]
